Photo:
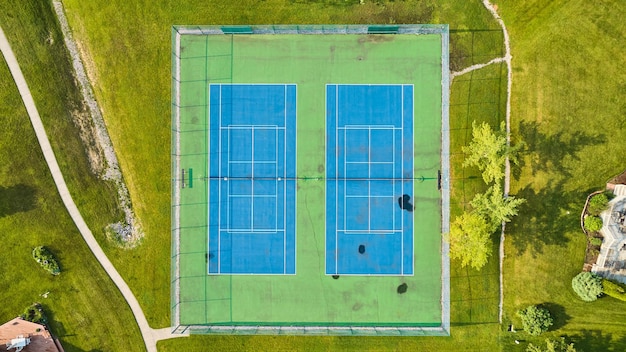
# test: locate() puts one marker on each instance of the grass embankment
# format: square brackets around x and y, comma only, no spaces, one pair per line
[85,309]
[568,80]
[128,46]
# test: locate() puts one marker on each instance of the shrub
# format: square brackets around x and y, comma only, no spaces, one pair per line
[535,320]
[588,286]
[597,204]
[43,256]
[35,314]
[614,289]
[595,241]
[593,223]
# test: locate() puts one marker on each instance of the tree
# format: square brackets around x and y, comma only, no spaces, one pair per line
[488,151]
[535,320]
[469,240]
[552,346]
[587,285]
[495,207]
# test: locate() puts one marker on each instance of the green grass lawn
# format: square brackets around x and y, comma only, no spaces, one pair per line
[566,107]
[568,80]
[129,47]
[85,308]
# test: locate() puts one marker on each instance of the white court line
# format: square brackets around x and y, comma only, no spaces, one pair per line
[253,128]
[369,162]
[326,178]
[247,127]
[336,181]
[285,199]
[248,195]
[369,182]
[376,232]
[345,183]
[367,196]
[402,232]
[393,175]
[295,193]
[374,127]
[248,162]
[219,186]
[252,166]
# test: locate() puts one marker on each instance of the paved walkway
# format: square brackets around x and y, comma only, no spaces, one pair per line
[150,336]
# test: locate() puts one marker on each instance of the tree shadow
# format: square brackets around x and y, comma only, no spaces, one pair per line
[594,340]
[56,327]
[16,199]
[545,217]
[549,151]
[560,318]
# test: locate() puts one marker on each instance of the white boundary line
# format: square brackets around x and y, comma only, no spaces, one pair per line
[252,128]
[402,232]
[369,128]
[177,195]
[336,210]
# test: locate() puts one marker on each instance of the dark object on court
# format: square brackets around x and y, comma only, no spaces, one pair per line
[211,255]
[361,249]
[402,288]
[405,202]
[439,180]
[335,277]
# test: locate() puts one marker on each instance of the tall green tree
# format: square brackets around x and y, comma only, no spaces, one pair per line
[495,207]
[588,286]
[488,151]
[535,320]
[552,346]
[470,240]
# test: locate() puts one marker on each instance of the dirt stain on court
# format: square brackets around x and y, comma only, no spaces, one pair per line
[375,38]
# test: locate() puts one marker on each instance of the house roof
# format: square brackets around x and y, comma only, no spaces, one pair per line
[40,338]
[611,262]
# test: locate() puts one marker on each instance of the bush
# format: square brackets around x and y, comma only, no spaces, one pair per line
[597,204]
[614,289]
[588,286]
[595,241]
[593,223]
[535,320]
[35,314]
[46,260]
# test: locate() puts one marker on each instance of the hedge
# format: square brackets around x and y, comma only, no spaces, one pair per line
[614,289]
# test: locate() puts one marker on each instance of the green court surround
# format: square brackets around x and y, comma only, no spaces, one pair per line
[310,301]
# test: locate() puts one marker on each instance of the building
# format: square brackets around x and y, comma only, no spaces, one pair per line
[20,335]
[611,262]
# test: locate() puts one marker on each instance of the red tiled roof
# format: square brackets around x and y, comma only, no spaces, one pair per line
[40,338]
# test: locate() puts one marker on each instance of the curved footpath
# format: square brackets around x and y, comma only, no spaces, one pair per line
[150,336]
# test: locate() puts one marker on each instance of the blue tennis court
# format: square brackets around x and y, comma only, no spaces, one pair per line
[369,183]
[252,170]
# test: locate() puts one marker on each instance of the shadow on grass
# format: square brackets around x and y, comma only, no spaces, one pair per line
[16,199]
[58,331]
[558,314]
[547,152]
[594,340]
[545,217]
